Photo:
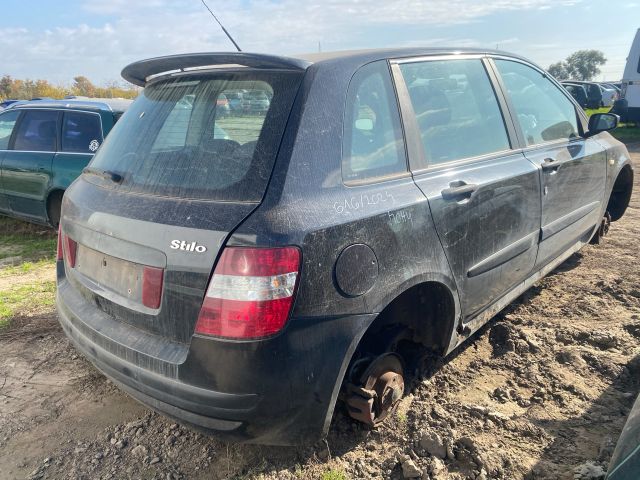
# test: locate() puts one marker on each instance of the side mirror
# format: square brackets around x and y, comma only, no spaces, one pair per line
[602,122]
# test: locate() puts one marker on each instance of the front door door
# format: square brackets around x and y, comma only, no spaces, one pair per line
[26,168]
[572,168]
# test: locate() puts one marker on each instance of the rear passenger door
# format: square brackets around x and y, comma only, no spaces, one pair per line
[26,167]
[81,137]
[572,169]
[483,195]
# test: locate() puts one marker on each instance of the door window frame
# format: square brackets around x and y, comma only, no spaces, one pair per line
[581,117]
[16,129]
[68,110]
[415,149]
[395,100]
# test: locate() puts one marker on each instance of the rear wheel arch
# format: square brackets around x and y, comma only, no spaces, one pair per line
[54,203]
[427,309]
[418,321]
[620,193]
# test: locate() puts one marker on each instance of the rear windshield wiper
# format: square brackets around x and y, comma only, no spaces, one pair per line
[109,175]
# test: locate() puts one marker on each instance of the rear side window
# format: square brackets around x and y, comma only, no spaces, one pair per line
[7,122]
[81,132]
[456,109]
[184,138]
[373,144]
[544,112]
[37,131]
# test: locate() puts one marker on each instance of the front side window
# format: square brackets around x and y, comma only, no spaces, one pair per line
[543,111]
[37,131]
[372,141]
[456,109]
[7,122]
[81,132]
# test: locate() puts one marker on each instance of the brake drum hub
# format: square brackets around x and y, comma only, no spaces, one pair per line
[378,392]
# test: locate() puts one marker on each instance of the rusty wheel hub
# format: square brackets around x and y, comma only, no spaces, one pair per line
[380,388]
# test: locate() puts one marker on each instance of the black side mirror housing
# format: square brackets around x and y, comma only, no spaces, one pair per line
[602,122]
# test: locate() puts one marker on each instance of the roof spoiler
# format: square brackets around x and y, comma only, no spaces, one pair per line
[139,73]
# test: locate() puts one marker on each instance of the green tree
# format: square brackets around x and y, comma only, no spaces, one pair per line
[584,64]
[5,86]
[83,86]
[580,65]
[559,70]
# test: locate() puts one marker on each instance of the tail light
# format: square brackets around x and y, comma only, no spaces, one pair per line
[152,286]
[67,248]
[251,292]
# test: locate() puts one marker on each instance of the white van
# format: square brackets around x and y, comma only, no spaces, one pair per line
[630,94]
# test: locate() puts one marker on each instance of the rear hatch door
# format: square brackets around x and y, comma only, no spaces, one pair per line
[173,179]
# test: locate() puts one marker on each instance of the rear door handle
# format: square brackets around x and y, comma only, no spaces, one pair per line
[550,164]
[459,191]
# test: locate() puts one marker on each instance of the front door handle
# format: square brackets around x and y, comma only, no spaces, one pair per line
[550,164]
[459,191]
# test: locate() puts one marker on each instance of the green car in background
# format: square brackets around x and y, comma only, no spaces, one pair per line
[44,146]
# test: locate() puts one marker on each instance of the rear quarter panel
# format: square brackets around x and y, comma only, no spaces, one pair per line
[308,205]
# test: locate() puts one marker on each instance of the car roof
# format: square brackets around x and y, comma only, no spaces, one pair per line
[143,71]
[103,104]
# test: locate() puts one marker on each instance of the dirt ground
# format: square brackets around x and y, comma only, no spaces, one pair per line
[541,392]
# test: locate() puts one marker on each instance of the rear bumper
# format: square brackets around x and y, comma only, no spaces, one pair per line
[278,391]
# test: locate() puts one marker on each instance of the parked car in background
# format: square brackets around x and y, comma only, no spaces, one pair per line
[612,86]
[594,92]
[235,100]
[7,103]
[44,145]
[625,461]
[386,201]
[578,92]
[609,95]
[255,101]
[223,105]
[628,105]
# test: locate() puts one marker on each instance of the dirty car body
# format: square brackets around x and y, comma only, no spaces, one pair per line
[385,198]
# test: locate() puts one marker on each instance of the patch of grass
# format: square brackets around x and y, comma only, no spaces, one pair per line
[591,111]
[333,474]
[627,133]
[26,267]
[402,418]
[26,241]
[24,299]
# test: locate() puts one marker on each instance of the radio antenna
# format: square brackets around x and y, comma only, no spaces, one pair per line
[221,26]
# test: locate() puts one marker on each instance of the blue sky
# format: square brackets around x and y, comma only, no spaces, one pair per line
[62,39]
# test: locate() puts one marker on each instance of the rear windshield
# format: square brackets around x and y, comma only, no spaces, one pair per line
[184,138]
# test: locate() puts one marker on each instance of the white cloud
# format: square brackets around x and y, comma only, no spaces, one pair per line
[135,29]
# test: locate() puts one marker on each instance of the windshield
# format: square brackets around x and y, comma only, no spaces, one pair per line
[183,138]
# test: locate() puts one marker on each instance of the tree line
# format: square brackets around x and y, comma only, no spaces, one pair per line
[14,88]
